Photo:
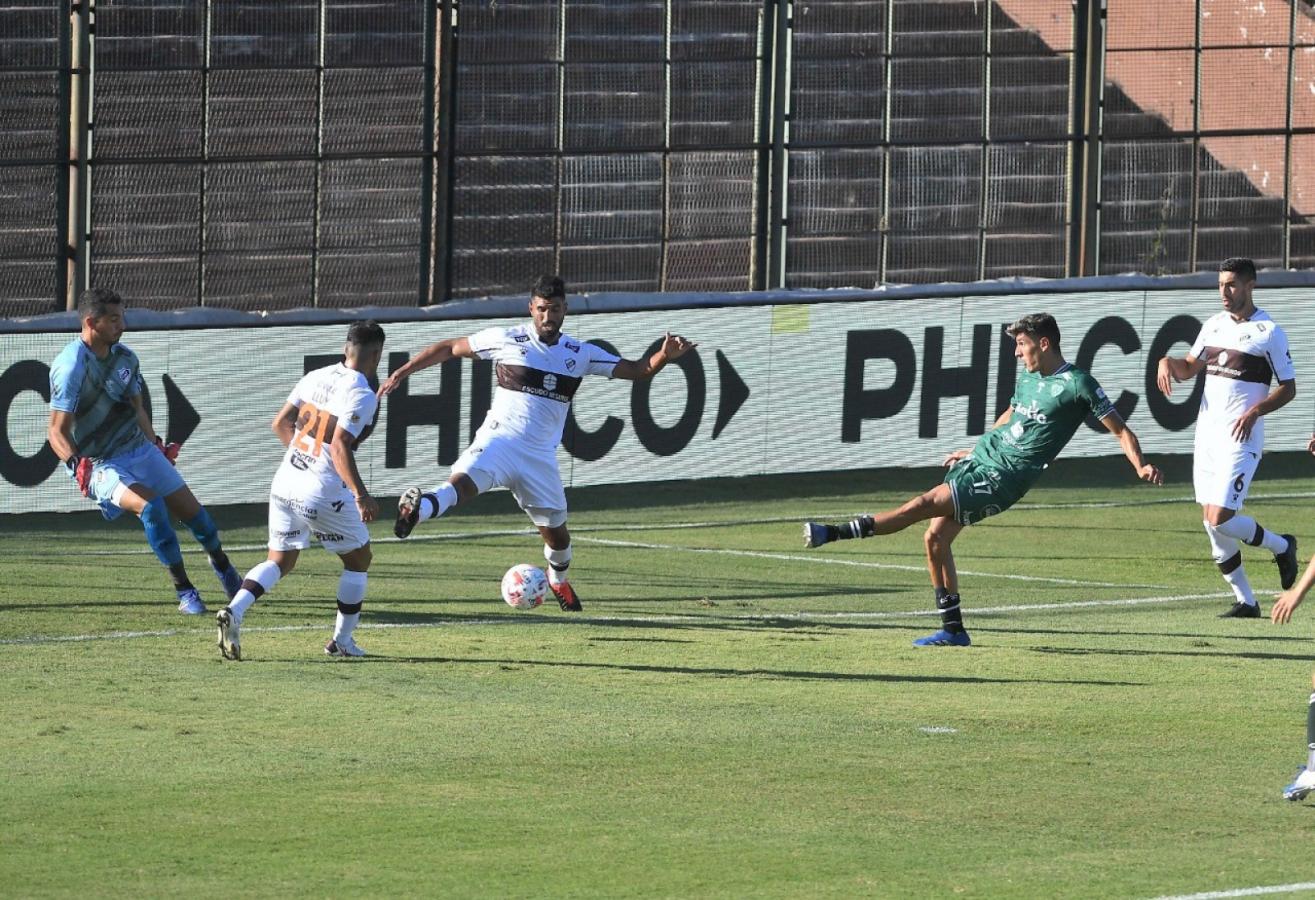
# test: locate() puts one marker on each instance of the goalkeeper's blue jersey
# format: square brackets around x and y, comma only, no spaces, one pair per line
[98,392]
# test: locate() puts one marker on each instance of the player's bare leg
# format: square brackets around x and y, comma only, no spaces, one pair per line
[557,550]
[416,505]
[937,540]
[938,502]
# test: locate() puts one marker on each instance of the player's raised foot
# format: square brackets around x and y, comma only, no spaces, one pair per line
[816,534]
[944,638]
[1240,610]
[229,646]
[343,648]
[408,512]
[1287,563]
[189,602]
[566,597]
[1302,785]
[230,579]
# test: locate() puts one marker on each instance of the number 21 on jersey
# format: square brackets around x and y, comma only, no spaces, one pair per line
[312,423]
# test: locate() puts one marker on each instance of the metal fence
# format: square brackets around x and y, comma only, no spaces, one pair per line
[335,153]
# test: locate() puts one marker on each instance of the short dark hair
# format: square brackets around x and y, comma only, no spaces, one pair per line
[1036,326]
[1241,265]
[550,287]
[365,333]
[92,302]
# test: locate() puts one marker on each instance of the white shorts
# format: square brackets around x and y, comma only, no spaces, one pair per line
[1222,475]
[531,473]
[333,521]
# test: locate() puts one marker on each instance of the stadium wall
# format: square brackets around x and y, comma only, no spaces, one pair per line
[860,381]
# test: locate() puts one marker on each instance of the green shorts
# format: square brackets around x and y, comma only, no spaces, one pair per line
[980,490]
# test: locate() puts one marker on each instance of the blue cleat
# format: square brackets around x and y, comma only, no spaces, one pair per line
[944,638]
[817,534]
[230,579]
[1302,785]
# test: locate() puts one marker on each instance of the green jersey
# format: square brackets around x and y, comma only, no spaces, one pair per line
[1046,411]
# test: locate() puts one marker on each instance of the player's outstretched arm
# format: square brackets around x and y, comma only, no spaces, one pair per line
[433,355]
[344,463]
[1172,368]
[673,347]
[1132,448]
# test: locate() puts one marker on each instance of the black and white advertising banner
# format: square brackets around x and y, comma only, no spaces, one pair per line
[770,389]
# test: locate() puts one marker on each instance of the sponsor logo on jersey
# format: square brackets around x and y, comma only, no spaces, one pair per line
[522,338]
[1032,411]
[549,381]
[296,532]
[327,536]
[574,348]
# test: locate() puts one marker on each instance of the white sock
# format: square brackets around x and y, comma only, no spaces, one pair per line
[1237,580]
[1246,529]
[266,575]
[558,562]
[351,591]
[447,498]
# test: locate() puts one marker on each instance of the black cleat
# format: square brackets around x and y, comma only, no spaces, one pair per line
[1287,563]
[408,512]
[1240,610]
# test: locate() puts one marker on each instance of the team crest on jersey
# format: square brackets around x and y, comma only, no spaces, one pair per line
[1223,357]
[570,365]
[125,374]
[1056,390]
[549,381]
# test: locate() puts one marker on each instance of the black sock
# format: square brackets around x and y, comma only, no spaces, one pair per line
[951,614]
[180,579]
[861,527]
[219,559]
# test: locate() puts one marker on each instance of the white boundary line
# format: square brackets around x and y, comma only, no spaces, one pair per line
[581,536]
[1246,892]
[670,619]
[834,561]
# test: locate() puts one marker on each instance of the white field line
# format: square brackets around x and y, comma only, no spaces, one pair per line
[680,526]
[833,561]
[1246,892]
[670,619]
[578,532]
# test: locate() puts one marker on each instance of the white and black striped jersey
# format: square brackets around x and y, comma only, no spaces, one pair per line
[536,381]
[1241,360]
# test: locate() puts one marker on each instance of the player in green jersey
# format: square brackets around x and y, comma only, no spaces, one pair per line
[1050,402]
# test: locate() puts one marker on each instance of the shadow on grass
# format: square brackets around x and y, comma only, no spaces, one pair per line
[1226,654]
[722,672]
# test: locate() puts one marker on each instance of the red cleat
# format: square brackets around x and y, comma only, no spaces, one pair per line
[566,597]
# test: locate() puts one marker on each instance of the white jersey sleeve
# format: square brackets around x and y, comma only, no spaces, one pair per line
[485,342]
[1199,345]
[355,410]
[1279,356]
[597,360]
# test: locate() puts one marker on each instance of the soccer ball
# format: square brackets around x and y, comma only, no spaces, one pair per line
[524,586]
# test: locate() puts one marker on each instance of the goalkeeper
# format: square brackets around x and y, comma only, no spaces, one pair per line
[101,431]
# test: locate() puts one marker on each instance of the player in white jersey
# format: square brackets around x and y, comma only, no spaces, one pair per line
[539,369]
[1241,350]
[318,492]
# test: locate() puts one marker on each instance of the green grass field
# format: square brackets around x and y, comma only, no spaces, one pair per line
[730,717]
